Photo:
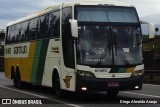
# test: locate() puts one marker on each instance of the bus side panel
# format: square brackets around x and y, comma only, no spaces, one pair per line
[7,67]
[52,61]
[18,58]
[39,61]
[29,61]
[8,60]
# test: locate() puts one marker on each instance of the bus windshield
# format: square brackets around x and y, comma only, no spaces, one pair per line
[109,44]
[106,14]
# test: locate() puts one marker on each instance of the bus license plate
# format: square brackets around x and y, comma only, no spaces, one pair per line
[113,84]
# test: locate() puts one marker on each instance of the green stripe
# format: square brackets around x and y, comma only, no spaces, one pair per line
[39,61]
[35,61]
[122,70]
[118,70]
[114,70]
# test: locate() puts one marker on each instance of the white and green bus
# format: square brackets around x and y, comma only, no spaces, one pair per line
[78,46]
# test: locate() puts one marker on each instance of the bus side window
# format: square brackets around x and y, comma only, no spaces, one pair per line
[18,33]
[67,40]
[8,35]
[12,36]
[33,29]
[44,22]
[57,24]
[24,30]
[54,24]
[51,29]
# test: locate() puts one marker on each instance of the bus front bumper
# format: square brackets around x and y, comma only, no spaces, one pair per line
[104,84]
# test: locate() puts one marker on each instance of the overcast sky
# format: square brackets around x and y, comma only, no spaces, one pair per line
[14,9]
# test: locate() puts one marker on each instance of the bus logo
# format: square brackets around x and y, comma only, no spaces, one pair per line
[6,101]
[113,75]
[67,81]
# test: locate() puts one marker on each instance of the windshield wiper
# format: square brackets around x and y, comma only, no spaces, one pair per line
[121,52]
[108,48]
[112,44]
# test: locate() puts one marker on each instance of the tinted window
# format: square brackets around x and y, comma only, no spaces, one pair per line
[13,32]
[33,29]
[44,22]
[18,33]
[67,40]
[24,31]
[54,24]
[8,35]
[106,14]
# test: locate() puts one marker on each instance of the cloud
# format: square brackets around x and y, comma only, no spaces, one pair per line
[15,9]
[145,7]
[3,23]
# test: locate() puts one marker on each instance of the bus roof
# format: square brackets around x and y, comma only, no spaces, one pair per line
[67,4]
[98,2]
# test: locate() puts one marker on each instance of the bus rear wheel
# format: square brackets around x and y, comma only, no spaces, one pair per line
[17,80]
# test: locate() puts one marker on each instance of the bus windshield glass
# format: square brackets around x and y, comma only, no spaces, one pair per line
[109,43]
[106,14]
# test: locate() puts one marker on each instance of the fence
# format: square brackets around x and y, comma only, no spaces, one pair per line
[151,66]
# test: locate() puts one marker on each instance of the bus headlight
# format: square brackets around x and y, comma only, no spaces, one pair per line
[137,73]
[85,73]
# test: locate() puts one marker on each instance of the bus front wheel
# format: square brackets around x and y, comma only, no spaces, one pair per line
[56,85]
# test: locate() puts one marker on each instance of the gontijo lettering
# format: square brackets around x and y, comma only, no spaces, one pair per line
[8,50]
[20,50]
[16,50]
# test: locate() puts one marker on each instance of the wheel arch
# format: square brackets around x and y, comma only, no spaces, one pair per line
[55,71]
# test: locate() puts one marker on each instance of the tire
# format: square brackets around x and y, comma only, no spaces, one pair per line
[112,92]
[56,85]
[17,80]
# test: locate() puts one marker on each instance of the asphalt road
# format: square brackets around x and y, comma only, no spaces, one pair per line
[149,92]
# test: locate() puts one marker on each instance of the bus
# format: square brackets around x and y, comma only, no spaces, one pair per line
[82,46]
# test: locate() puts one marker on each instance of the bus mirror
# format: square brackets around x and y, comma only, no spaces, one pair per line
[74,28]
[151,29]
[156,29]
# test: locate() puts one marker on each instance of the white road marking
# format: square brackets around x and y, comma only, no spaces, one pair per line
[154,96]
[23,92]
[40,96]
[152,85]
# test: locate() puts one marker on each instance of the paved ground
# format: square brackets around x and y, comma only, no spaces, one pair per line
[7,90]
